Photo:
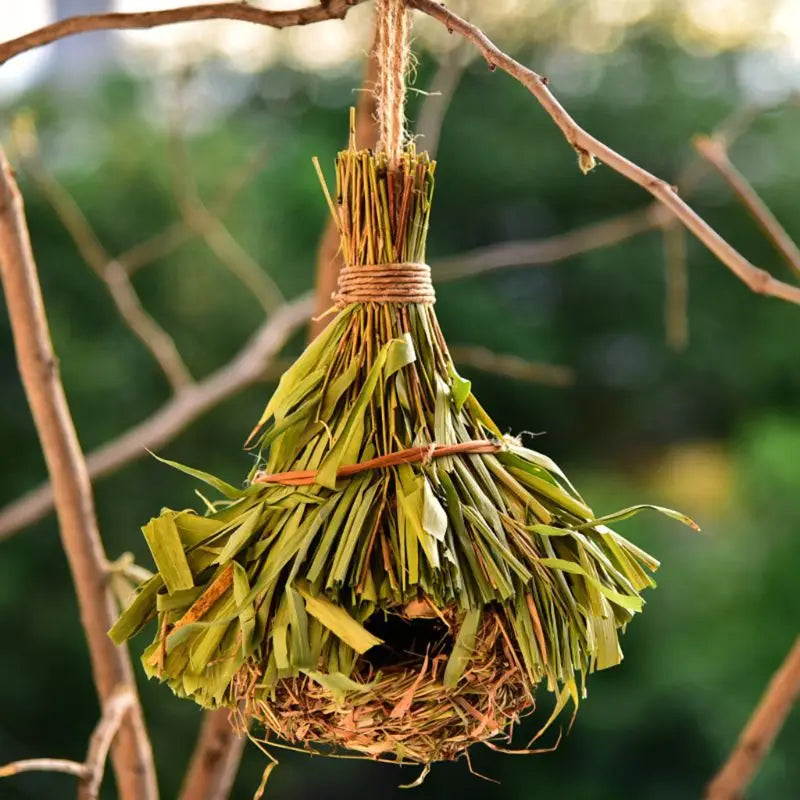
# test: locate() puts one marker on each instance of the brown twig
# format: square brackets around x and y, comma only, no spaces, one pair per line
[758,735]
[161,244]
[157,341]
[215,761]
[676,277]
[589,148]
[438,97]
[131,755]
[100,742]
[199,219]
[91,771]
[715,152]
[552,249]
[510,366]
[178,412]
[319,12]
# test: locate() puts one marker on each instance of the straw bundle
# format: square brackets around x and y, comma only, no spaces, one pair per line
[396,577]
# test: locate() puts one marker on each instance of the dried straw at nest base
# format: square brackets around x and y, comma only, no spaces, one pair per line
[382,487]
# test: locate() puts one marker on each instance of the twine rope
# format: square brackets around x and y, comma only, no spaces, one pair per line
[385,283]
[393,55]
[412,455]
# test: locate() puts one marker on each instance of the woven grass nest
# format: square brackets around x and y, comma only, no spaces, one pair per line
[396,577]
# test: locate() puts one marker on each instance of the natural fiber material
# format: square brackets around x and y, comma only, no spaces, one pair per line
[396,577]
[393,54]
[385,283]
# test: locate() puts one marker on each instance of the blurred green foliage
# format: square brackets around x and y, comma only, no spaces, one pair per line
[714,430]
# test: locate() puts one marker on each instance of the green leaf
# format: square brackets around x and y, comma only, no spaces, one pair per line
[461,387]
[221,486]
[164,542]
[627,513]
[138,613]
[339,622]
[632,603]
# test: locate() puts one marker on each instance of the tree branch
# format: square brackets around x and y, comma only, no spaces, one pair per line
[552,249]
[589,148]
[758,735]
[132,756]
[91,771]
[100,742]
[178,412]
[510,366]
[330,9]
[715,152]
[143,326]
[215,761]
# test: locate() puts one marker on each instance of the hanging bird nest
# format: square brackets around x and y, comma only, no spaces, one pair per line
[396,577]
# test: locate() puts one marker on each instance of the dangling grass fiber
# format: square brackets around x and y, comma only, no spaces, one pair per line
[405,608]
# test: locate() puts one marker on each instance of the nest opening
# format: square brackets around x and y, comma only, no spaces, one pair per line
[406,640]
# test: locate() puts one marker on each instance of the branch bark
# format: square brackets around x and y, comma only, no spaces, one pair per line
[330,9]
[589,148]
[143,326]
[715,152]
[215,761]
[178,412]
[760,732]
[111,667]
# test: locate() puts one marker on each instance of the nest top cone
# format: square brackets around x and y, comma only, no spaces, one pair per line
[396,577]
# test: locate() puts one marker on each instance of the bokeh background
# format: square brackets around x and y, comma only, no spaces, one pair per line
[712,428]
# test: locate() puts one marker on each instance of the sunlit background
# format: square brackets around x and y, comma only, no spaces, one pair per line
[712,428]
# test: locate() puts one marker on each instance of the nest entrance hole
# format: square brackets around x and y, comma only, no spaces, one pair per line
[406,641]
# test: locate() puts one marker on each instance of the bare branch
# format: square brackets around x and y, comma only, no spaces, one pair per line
[157,341]
[329,259]
[38,366]
[44,765]
[175,415]
[215,761]
[510,366]
[92,770]
[551,250]
[330,9]
[589,148]
[438,97]
[760,732]
[676,299]
[114,712]
[211,229]
[715,152]
[178,232]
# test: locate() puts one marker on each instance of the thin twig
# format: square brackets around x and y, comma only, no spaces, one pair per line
[177,233]
[439,96]
[319,12]
[215,760]
[715,152]
[175,415]
[676,277]
[75,768]
[589,148]
[552,249]
[758,735]
[210,228]
[100,742]
[132,755]
[510,366]
[157,341]
[91,771]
